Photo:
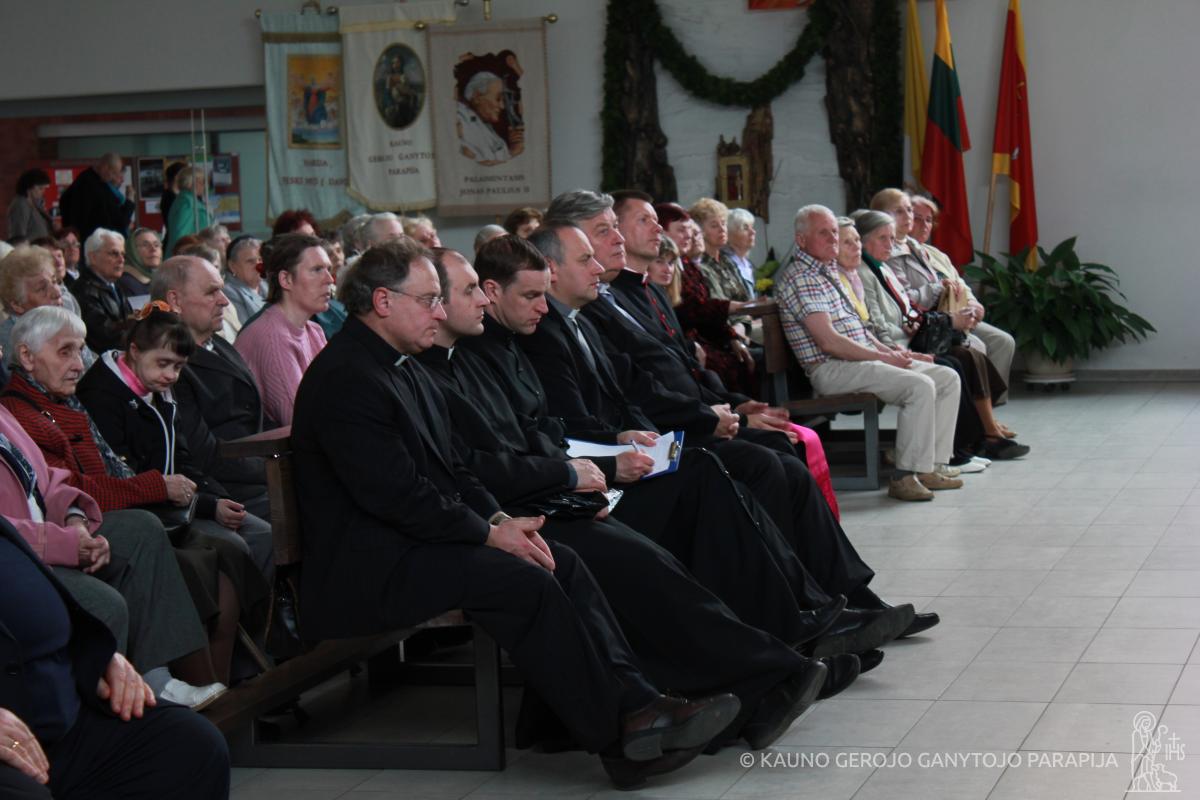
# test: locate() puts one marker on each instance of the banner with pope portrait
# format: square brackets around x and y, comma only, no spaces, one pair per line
[490,116]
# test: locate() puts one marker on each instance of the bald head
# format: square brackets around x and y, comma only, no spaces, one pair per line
[192,288]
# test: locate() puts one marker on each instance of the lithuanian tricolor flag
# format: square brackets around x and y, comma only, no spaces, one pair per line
[946,140]
[1011,154]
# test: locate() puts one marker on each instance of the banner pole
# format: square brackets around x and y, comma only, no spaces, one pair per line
[987,226]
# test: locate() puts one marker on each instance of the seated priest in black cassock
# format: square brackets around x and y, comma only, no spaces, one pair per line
[698,513]
[636,321]
[590,389]
[396,531]
[684,636]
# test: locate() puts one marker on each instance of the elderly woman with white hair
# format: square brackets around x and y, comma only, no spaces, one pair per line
[894,321]
[26,282]
[741,237]
[61,447]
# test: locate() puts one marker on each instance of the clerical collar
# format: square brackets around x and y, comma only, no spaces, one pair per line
[400,361]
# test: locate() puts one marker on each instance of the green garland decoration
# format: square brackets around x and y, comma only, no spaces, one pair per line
[641,20]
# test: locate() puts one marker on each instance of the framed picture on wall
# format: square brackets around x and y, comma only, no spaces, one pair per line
[733,177]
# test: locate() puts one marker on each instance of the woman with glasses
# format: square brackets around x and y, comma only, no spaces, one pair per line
[244,284]
[282,342]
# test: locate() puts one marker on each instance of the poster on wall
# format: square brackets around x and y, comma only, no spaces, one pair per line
[491,117]
[306,157]
[390,139]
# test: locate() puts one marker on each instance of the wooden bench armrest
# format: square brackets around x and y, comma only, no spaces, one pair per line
[268,444]
[831,404]
[760,307]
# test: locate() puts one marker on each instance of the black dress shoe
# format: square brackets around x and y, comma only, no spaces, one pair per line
[863,597]
[671,723]
[779,707]
[841,672]
[920,623]
[859,630]
[626,774]
[1001,449]
[816,622]
[869,660]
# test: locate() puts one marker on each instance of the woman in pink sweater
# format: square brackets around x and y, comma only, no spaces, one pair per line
[280,344]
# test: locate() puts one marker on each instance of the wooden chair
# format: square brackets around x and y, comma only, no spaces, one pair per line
[236,712]
[779,363]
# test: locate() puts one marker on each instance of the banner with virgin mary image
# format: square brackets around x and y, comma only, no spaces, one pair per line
[389,150]
[490,117]
[306,124]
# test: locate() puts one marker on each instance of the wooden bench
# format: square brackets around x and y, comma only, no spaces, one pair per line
[780,363]
[236,712]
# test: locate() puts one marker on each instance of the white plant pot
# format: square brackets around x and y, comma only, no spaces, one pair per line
[1039,369]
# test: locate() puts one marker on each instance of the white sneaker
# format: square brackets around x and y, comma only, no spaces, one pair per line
[947,471]
[981,460]
[194,697]
[971,466]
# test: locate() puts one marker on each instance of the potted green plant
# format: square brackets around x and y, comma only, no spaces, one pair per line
[1059,311]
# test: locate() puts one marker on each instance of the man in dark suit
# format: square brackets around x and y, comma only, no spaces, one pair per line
[396,530]
[584,382]
[216,394]
[95,200]
[636,321]
[78,721]
[102,302]
[650,591]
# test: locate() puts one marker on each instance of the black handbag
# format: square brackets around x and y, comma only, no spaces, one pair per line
[567,505]
[936,334]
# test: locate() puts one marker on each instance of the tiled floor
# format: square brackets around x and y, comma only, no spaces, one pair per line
[1069,590]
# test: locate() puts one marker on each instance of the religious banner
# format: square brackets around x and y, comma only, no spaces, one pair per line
[390,148]
[306,159]
[491,117]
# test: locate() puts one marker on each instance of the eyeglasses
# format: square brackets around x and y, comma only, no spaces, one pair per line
[430,301]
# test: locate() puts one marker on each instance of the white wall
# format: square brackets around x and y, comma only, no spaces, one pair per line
[1114,108]
[1114,96]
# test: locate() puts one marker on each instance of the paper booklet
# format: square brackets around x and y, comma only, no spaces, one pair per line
[666,451]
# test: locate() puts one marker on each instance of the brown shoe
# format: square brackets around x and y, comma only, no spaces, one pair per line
[932,480]
[909,488]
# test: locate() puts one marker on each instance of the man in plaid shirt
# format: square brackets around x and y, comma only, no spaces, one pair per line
[840,356]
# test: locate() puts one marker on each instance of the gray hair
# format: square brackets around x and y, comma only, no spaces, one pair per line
[577,205]
[739,218]
[806,213]
[188,175]
[369,236]
[486,234]
[352,232]
[546,239]
[39,325]
[96,240]
[239,244]
[171,274]
[870,221]
[384,265]
[479,84]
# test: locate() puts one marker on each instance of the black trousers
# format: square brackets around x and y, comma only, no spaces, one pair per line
[170,752]
[968,427]
[767,463]
[685,638]
[707,521]
[557,627]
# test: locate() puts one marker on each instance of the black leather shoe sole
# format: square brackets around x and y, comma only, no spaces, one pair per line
[886,625]
[843,670]
[696,731]
[783,704]
[869,660]
[920,624]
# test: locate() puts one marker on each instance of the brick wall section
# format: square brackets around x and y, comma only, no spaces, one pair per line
[20,146]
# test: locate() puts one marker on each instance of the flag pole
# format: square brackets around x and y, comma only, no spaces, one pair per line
[987,225]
